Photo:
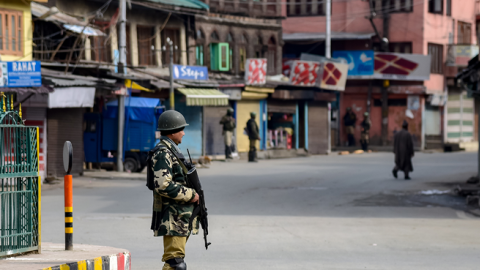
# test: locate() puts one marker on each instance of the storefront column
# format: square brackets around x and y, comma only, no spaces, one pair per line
[422,106]
[296,127]
[306,125]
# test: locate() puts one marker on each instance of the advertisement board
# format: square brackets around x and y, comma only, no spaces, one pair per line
[190,72]
[360,63]
[256,71]
[20,74]
[334,76]
[305,73]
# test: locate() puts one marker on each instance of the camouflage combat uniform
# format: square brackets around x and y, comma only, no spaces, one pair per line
[172,208]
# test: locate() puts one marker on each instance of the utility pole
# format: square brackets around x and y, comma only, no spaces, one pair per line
[121,70]
[172,93]
[328,38]
[386,83]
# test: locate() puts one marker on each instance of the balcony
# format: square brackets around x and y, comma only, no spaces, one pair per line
[459,55]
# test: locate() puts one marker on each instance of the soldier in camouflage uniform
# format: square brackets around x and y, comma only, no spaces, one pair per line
[174,200]
[365,138]
[229,126]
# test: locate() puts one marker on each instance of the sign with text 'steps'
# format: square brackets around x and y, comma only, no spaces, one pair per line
[256,71]
[190,72]
[20,74]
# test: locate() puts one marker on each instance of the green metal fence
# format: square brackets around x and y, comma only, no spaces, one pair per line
[20,192]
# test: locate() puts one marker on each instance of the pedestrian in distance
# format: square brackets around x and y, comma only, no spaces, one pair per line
[254,136]
[365,136]
[229,126]
[349,121]
[404,152]
[174,200]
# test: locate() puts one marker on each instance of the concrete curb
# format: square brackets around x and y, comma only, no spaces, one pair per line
[120,261]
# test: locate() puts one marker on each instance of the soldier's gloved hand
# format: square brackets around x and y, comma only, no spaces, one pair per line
[196,199]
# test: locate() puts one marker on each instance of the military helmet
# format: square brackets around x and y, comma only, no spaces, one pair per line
[366,114]
[171,120]
[253,114]
[230,110]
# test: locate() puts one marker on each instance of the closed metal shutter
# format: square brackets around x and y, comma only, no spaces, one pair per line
[317,128]
[244,108]
[64,125]
[214,142]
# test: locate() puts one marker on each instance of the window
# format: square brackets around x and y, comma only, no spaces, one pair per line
[174,35]
[11,31]
[436,53]
[199,55]
[214,36]
[449,7]
[219,58]
[401,6]
[100,48]
[464,33]
[271,56]
[242,52]
[435,6]
[230,51]
[146,45]
[200,49]
[306,7]
[400,47]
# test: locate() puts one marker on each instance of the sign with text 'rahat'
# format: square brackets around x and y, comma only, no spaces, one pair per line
[20,74]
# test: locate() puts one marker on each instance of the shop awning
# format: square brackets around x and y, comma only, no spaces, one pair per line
[204,97]
[133,85]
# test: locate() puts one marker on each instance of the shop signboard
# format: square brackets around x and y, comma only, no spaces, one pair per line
[334,76]
[360,63]
[20,74]
[305,73]
[385,66]
[402,66]
[256,71]
[190,72]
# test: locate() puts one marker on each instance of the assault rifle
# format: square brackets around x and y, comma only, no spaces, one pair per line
[200,209]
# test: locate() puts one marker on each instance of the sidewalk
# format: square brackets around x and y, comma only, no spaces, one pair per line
[54,256]
[114,175]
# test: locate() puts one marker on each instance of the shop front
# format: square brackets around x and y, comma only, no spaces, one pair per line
[202,109]
[282,124]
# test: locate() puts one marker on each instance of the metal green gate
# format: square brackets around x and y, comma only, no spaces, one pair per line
[20,191]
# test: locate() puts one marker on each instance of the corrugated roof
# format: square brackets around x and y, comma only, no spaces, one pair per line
[322,36]
[69,22]
[67,83]
[196,4]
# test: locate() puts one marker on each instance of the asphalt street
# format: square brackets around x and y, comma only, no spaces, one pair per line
[320,212]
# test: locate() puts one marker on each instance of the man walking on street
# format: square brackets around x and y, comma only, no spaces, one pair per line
[365,138]
[229,125]
[174,200]
[349,121]
[403,149]
[253,135]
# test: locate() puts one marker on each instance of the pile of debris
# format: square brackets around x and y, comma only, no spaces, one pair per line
[470,190]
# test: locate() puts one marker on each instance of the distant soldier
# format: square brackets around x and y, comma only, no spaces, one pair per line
[253,135]
[229,126]
[365,138]
[403,149]
[349,121]
[174,200]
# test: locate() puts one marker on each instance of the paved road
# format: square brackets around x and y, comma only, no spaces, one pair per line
[322,212]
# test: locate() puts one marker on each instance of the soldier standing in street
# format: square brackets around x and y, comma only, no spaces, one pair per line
[365,138]
[229,125]
[253,135]
[349,121]
[403,149]
[174,200]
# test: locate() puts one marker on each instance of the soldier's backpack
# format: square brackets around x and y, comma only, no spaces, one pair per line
[150,174]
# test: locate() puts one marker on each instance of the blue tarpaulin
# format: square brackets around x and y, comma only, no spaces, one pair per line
[136,109]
